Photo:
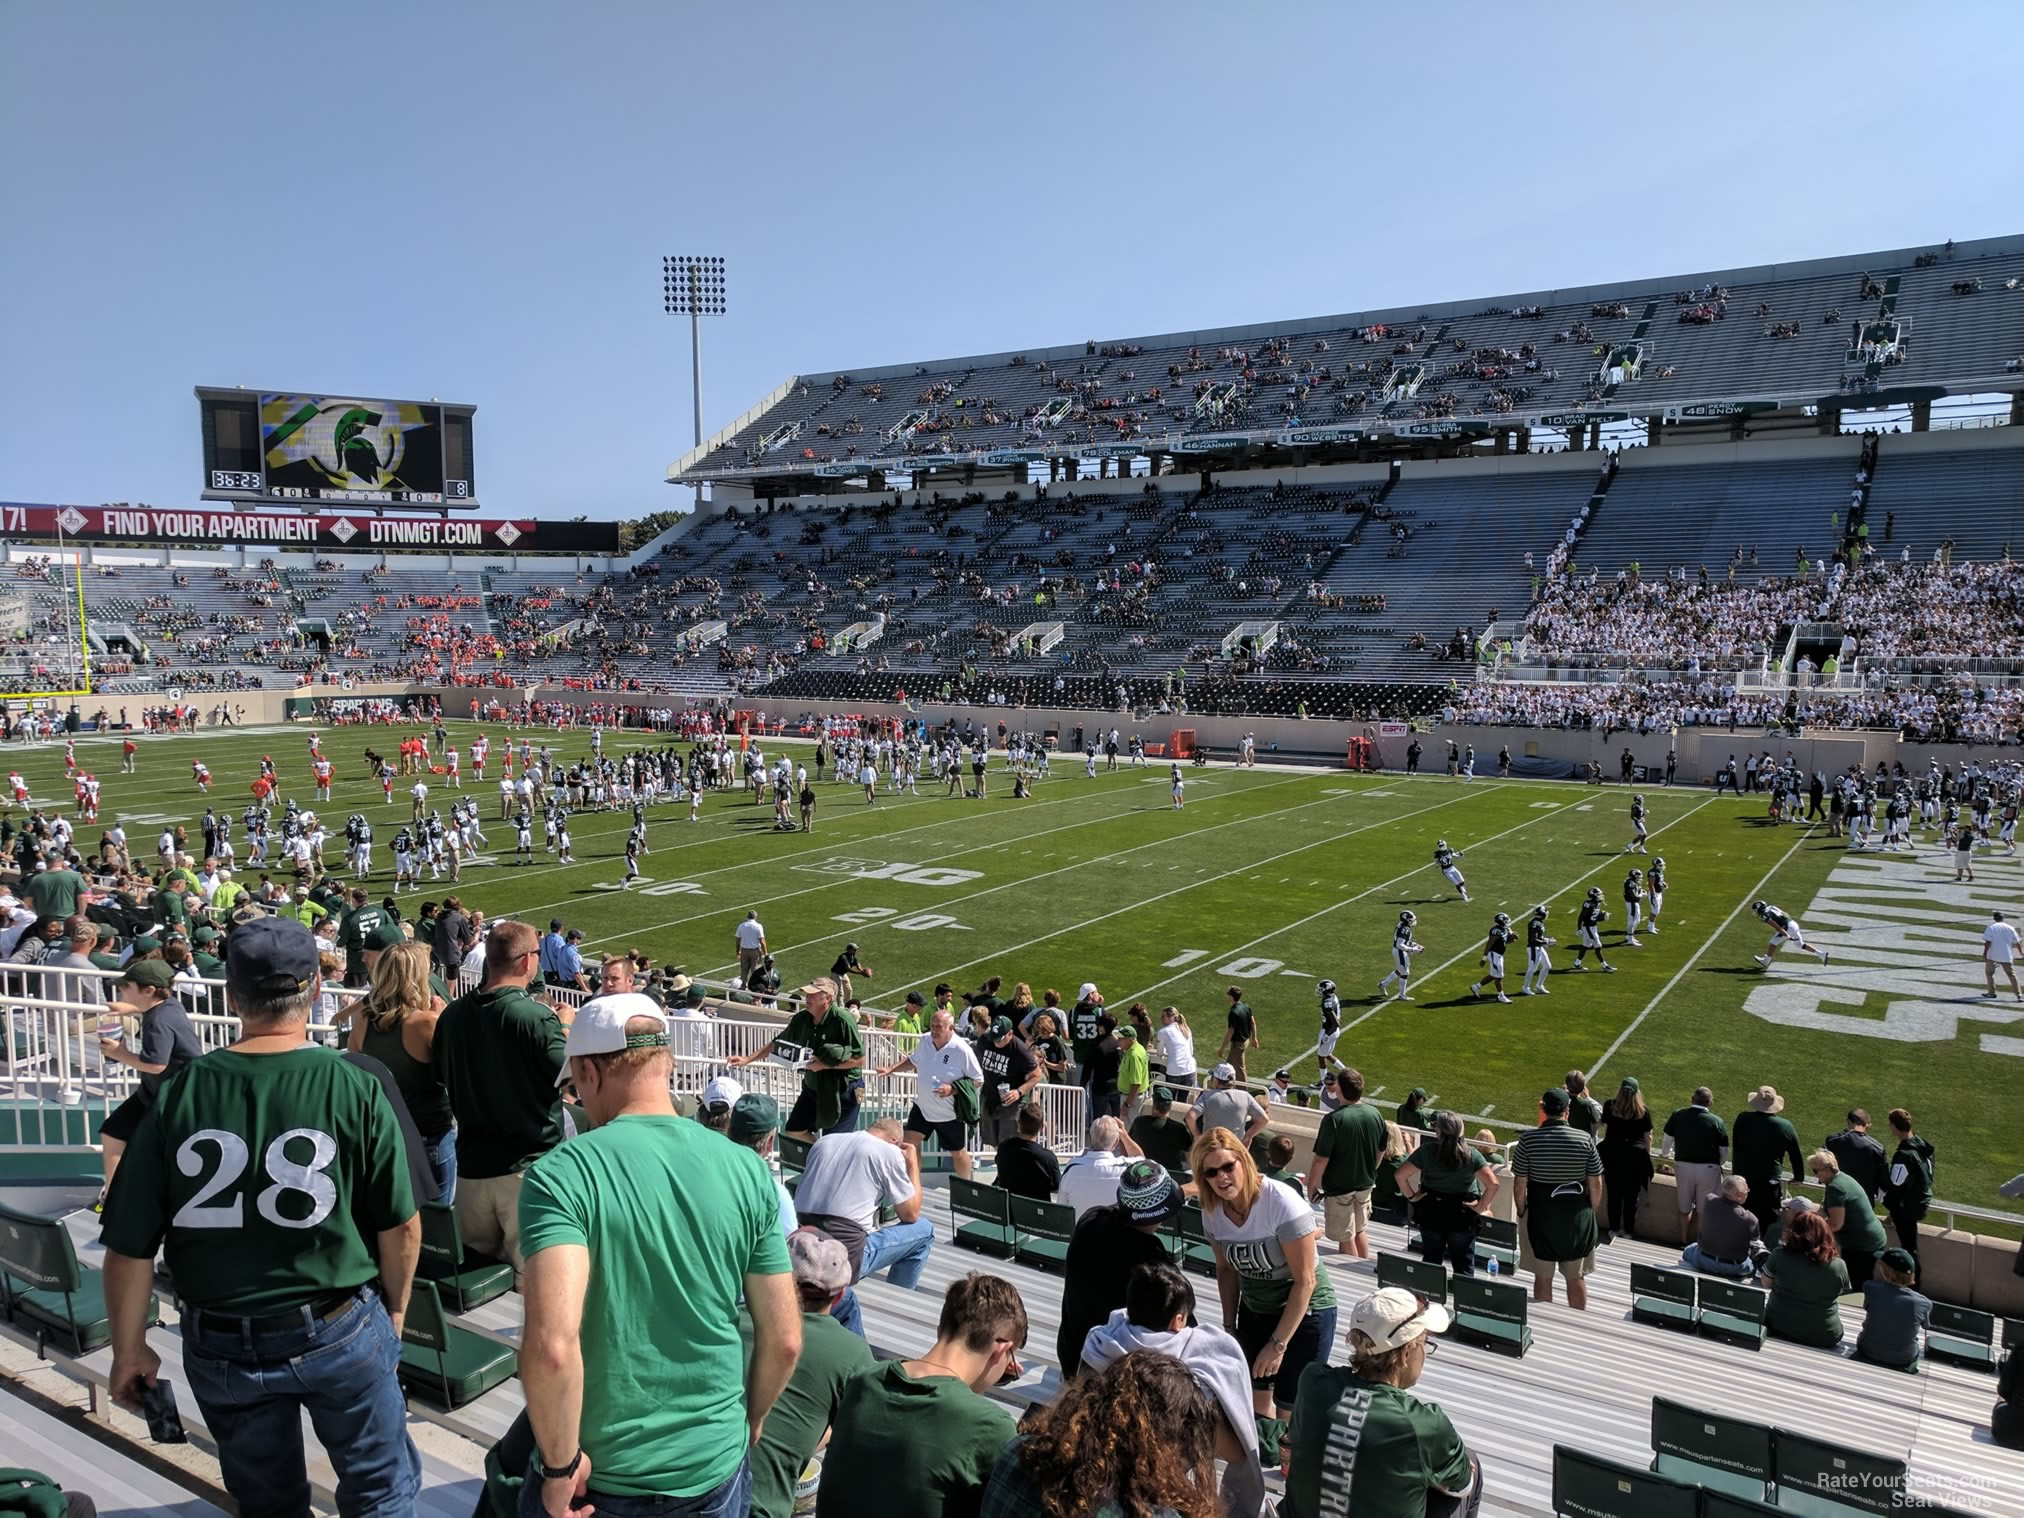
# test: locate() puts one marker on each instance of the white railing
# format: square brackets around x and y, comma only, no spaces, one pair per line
[54,1065]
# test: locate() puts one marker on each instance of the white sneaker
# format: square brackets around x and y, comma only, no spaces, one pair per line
[1477,991]
[1633,943]
[1762,961]
[1404,997]
[1544,992]
[1609,969]
[1503,998]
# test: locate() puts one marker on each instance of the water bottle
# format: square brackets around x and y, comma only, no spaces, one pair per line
[1493,1265]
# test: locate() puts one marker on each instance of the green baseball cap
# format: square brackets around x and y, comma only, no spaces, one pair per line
[146,945]
[385,936]
[754,1116]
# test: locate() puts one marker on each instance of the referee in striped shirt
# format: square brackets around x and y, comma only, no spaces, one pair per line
[1559,1186]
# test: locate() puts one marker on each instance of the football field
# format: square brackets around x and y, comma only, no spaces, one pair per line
[1268,880]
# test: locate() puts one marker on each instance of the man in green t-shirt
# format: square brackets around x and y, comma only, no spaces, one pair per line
[1085,1030]
[1695,1141]
[1762,1145]
[353,928]
[499,1052]
[1357,1427]
[55,893]
[822,1043]
[830,1355]
[1242,1031]
[636,1375]
[917,1438]
[1134,1073]
[273,1174]
[1347,1147]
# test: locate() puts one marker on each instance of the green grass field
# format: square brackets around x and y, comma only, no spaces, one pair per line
[1271,879]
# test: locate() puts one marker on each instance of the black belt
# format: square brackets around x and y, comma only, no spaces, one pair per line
[322,1309]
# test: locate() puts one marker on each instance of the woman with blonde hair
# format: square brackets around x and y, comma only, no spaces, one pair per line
[1177,1048]
[1049,1047]
[396,1024]
[1276,1298]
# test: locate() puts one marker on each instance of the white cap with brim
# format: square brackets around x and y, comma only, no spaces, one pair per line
[599,1027]
[1393,1317]
[722,1092]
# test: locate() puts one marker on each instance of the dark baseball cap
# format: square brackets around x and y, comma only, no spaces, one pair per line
[915,999]
[271,955]
[1554,1102]
[157,973]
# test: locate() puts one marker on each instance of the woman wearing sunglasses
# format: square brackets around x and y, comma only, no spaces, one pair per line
[1276,1298]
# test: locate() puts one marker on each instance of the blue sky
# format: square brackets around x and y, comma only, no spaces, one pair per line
[470,200]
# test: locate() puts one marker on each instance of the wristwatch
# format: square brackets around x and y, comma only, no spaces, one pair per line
[558,1472]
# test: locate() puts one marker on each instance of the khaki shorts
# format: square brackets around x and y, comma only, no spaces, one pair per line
[1695,1181]
[488,1217]
[1344,1217]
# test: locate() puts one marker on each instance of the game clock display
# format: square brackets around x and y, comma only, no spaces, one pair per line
[294,447]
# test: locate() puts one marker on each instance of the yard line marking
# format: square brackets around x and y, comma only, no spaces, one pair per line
[1109,815]
[1707,943]
[1477,948]
[1383,885]
[1133,906]
[1176,891]
[1008,885]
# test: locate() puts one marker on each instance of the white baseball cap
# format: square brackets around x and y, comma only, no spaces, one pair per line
[722,1091]
[599,1027]
[1226,1073]
[1393,1317]
[1088,991]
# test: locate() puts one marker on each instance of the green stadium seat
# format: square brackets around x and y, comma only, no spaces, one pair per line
[1491,1313]
[46,1291]
[1962,1336]
[1720,1504]
[1430,1281]
[793,1155]
[1190,1242]
[1044,1229]
[992,1230]
[1587,1486]
[1713,1450]
[1668,1298]
[2013,1334]
[442,1364]
[1733,1313]
[1822,1480]
[1497,1239]
[464,1278]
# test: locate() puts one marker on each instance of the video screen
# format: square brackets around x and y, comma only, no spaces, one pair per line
[322,446]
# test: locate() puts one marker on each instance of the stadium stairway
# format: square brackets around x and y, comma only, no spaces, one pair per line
[1588,1379]
[79,1461]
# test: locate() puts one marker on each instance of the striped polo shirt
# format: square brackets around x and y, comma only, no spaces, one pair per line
[1554,1154]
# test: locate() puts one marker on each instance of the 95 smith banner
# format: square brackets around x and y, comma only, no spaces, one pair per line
[354,531]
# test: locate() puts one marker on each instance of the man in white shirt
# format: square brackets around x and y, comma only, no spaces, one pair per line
[848,1178]
[1999,951]
[751,943]
[1090,1179]
[939,1060]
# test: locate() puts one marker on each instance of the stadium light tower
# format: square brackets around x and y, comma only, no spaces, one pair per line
[693,286]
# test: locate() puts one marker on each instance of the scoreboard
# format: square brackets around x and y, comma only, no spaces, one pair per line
[289,448]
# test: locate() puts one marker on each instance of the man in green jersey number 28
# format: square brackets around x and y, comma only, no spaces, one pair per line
[273,1175]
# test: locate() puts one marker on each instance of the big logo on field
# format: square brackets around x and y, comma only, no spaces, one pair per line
[1904,943]
[900,870]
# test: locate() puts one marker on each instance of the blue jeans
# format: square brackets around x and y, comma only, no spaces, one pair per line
[904,1248]
[1693,1259]
[731,1500]
[254,1388]
[442,1152]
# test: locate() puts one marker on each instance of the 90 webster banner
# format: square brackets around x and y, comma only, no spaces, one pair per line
[357,531]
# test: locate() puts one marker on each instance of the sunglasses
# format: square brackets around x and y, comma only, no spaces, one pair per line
[1210,1172]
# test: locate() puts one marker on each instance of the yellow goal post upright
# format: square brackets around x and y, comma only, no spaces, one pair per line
[81,686]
